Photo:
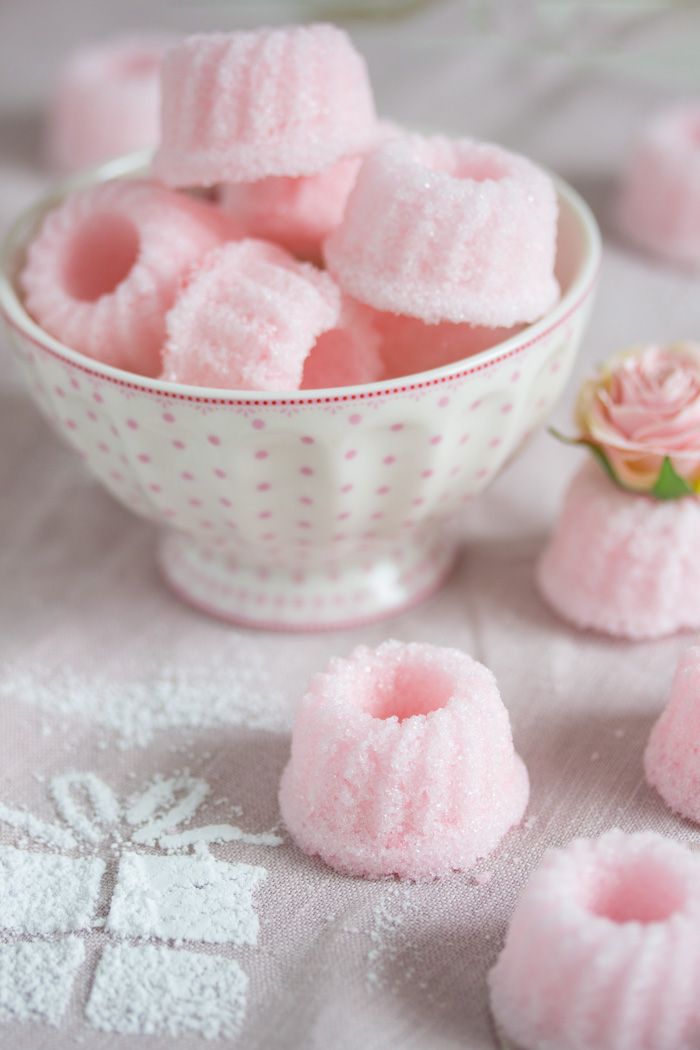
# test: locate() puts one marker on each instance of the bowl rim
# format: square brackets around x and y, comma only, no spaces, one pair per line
[14,313]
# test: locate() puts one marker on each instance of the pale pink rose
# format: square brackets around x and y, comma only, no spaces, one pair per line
[643,406]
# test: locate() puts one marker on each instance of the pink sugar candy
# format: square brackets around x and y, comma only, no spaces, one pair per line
[105,266]
[660,200]
[347,354]
[410,345]
[603,950]
[242,106]
[672,758]
[623,564]
[247,319]
[107,102]
[449,230]
[402,763]
[297,213]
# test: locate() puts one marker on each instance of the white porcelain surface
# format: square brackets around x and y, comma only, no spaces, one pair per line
[314,509]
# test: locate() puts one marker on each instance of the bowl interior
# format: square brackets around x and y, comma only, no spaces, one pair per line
[578,255]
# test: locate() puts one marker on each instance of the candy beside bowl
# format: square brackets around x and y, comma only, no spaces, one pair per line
[307,509]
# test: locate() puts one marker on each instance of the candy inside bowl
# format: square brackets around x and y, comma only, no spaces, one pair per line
[312,508]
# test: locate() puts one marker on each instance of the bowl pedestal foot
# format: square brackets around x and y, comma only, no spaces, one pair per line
[360,590]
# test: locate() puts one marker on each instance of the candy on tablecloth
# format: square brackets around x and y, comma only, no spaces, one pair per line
[660,200]
[247,319]
[402,763]
[621,563]
[603,950]
[347,354]
[106,102]
[104,268]
[449,230]
[672,757]
[243,106]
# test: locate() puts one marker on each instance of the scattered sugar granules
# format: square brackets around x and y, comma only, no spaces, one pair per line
[39,830]
[36,979]
[387,936]
[29,902]
[194,898]
[167,697]
[150,990]
[103,802]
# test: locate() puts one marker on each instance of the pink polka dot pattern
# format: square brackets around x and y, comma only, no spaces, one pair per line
[344,498]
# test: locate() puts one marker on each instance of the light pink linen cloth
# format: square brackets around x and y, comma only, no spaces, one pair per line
[339,962]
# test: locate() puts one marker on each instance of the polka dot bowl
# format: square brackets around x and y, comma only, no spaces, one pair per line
[314,509]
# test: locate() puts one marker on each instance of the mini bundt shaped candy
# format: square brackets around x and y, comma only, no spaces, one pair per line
[347,354]
[622,563]
[603,950]
[449,230]
[106,102]
[402,763]
[297,213]
[105,267]
[660,199]
[238,107]
[247,319]
[672,758]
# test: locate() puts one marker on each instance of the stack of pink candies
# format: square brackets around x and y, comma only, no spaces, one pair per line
[288,238]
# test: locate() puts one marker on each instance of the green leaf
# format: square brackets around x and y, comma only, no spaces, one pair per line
[598,453]
[669,484]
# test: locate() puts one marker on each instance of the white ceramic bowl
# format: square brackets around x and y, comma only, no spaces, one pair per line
[311,509]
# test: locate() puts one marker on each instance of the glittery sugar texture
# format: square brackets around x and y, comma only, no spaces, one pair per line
[603,949]
[403,763]
[449,230]
[248,319]
[239,107]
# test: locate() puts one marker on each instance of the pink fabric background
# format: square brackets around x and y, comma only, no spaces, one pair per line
[80,595]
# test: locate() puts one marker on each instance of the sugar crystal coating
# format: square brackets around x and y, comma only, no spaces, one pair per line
[347,354]
[660,199]
[402,763]
[449,230]
[672,757]
[603,950]
[105,266]
[239,107]
[247,319]
[623,564]
[106,102]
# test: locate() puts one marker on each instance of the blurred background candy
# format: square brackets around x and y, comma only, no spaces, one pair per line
[106,102]
[660,197]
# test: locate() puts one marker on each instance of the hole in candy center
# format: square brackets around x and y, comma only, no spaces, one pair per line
[100,256]
[641,890]
[411,688]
